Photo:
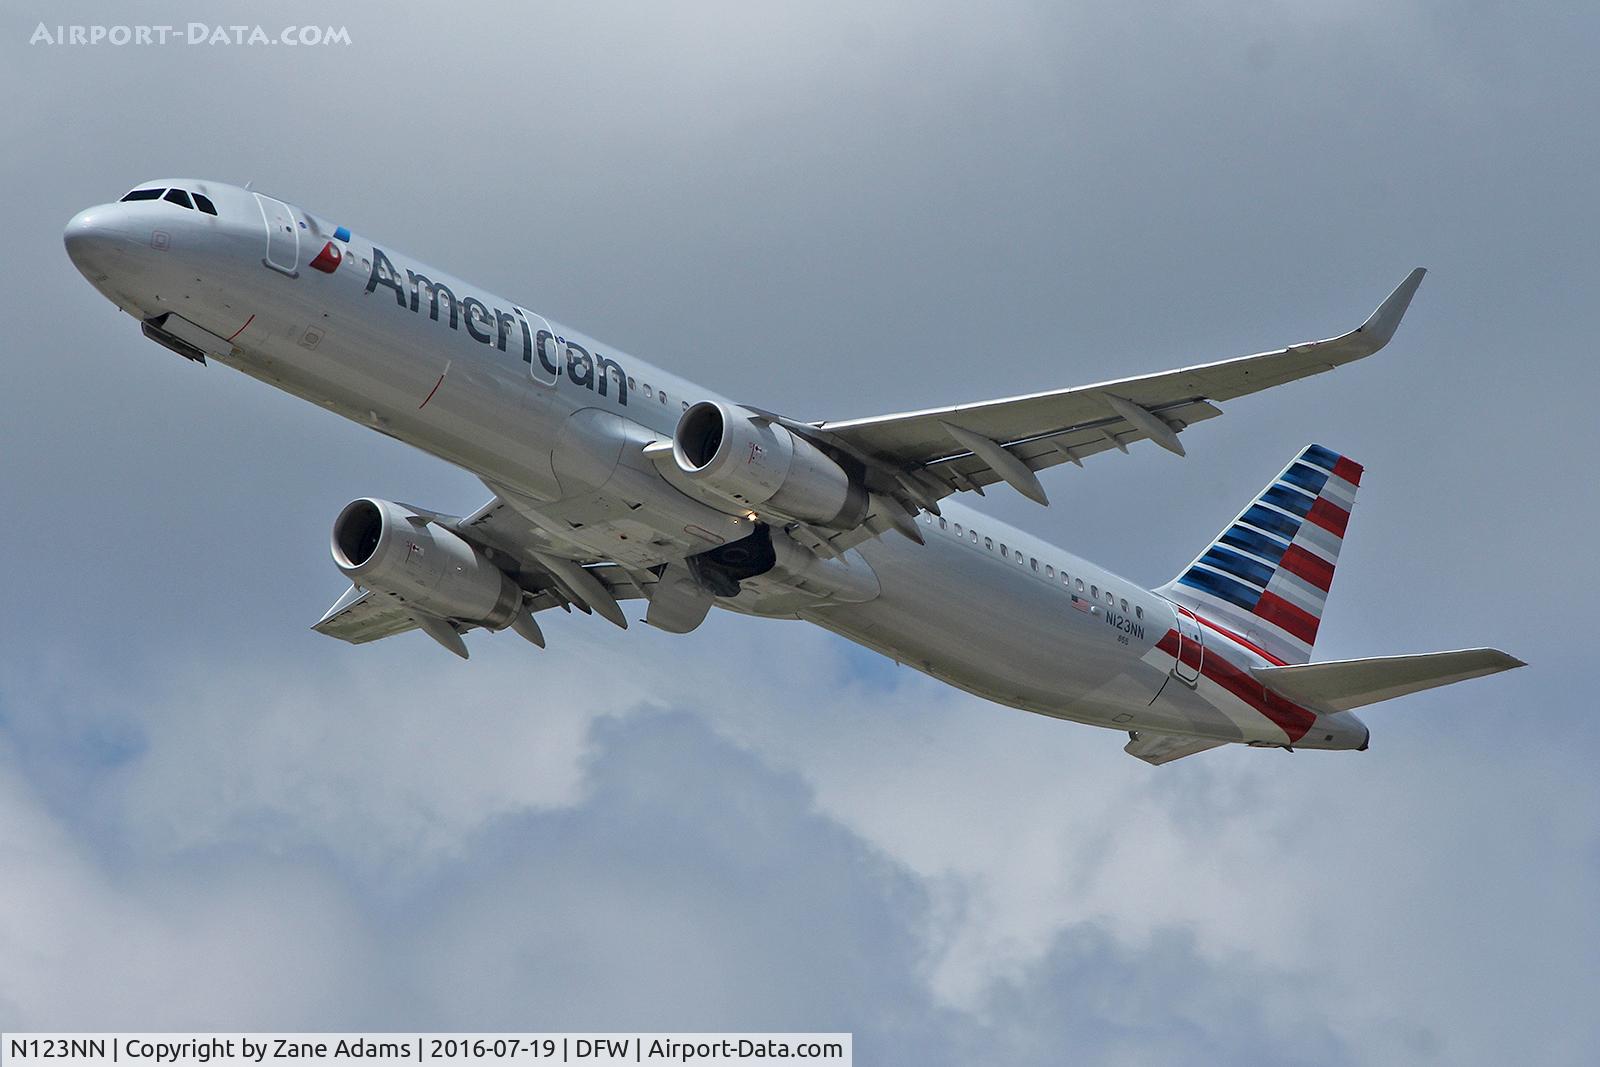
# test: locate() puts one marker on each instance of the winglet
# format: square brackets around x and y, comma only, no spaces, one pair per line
[1381,325]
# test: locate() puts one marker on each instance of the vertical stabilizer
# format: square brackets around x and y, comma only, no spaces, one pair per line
[1266,576]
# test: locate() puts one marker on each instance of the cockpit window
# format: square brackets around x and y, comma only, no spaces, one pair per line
[143,194]
[179,197]
[203,202]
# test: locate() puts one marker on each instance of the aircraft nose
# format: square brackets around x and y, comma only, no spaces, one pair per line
[89,235]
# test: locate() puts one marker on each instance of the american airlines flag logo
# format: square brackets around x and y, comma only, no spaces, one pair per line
[1270,570]
[328,260]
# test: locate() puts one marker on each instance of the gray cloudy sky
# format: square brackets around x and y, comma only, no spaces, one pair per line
[212,817]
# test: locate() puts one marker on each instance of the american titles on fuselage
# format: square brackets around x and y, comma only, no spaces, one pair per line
[493,326]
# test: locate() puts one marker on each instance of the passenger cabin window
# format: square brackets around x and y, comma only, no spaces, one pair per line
[1094,591]
[1124,606]
[1049,571]
[143,194]
[179,197]
[1033,563]
[958,529]
[988,543]
[1003,553]
[203,202]
[1079,584]
[943,524]
[974,534]
[1138,612]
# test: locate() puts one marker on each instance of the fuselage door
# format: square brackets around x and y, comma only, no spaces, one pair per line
[283,239]
[547,354]
[1191,648]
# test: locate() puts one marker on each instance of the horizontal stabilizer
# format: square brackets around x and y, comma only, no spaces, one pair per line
[1156,749]
[1340,685]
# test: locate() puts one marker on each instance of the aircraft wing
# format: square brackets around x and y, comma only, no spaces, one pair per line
[924,455]
[548,579]
[362,615]
[1156,749]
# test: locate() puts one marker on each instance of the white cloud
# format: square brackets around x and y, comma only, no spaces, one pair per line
[1016,834]
[394,759]
[691,885]
[156,943]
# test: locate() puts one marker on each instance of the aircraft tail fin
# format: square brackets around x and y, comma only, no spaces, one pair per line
[1267,574]
[1342,685]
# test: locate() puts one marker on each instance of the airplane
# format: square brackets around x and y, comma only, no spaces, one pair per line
[615,481]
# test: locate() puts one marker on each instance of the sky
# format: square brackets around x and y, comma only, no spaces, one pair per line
[213,818]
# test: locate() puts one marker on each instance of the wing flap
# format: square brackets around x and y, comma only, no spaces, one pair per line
[1342,685]
[1072,445]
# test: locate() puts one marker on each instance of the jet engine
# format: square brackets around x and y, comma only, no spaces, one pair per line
[751,461]
[382,545]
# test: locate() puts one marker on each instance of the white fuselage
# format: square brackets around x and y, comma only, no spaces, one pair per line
[370,341]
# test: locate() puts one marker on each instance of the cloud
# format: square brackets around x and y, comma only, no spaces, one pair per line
[692,885]
[695,841]
[159,941]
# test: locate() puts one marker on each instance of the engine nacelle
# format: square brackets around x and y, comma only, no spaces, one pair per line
[382,545]
[753,462]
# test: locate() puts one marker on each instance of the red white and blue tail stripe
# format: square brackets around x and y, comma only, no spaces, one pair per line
[1267,575]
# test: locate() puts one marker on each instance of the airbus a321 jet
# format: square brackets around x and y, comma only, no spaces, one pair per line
[614,479]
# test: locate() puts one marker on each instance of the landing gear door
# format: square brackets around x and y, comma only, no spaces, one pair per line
[1191,648]
[544,353]
[283,239]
